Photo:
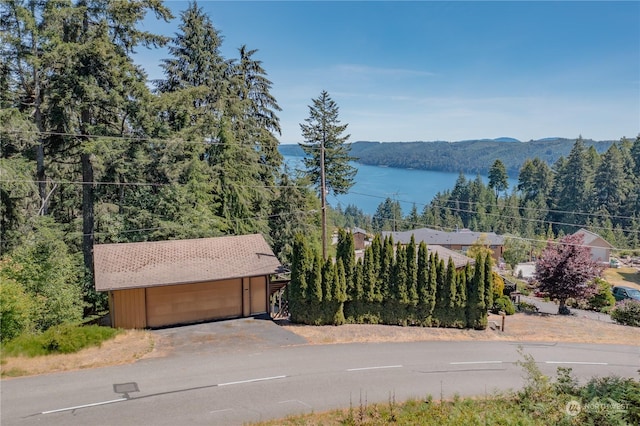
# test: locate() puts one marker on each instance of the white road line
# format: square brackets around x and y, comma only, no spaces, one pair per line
[577,362]
[84,406]
[475,362]
[220,411]
[262,379]
[374,368]
[294,400]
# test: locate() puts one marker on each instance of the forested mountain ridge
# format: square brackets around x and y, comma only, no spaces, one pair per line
[470,156]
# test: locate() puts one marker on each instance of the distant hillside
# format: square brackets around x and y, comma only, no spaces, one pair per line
[474,156]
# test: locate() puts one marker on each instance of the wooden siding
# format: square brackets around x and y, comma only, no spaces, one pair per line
[128,308]
[258,295]
[184,303]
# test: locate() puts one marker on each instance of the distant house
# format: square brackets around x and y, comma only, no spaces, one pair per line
[157,284]
[360,237]
[600,249]
[458,241]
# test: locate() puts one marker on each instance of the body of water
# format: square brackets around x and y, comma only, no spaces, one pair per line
[373,184]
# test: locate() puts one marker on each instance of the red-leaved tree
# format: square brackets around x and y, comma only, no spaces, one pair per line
[565,270]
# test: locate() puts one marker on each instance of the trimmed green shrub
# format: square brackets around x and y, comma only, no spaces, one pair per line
[504,304]
[627,312]
[603,299]
[64,338]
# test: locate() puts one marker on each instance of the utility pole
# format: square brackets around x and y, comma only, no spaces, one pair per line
[323,198]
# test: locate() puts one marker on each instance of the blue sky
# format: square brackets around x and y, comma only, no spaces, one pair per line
[407,71]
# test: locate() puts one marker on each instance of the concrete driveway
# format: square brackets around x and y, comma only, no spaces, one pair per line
[552,309]
[236,335]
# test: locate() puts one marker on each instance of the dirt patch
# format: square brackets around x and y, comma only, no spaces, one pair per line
[518,327]
[124,348]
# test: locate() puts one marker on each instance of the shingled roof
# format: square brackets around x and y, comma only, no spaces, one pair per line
[459,259]
[432,236]
[147,264]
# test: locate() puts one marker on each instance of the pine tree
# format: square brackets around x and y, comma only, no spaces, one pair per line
[386,267]
[297,288]
[572,185]
[610,184]
[441,294]
[346,252]
[488,281]
[316,292]
[340,293]
[535,180]
[476,307]
[327,154]
[412,270]
[498,178]
[450,296]
[461,298]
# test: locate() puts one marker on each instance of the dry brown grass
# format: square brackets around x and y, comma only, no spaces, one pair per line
[627,276]
[519,327]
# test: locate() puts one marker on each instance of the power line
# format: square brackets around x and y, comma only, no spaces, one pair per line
[103,183]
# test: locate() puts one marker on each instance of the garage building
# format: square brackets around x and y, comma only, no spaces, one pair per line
[157,284]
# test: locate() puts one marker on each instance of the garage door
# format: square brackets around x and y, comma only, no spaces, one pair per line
[186,303]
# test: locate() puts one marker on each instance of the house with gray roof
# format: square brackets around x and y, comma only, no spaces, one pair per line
[457,241]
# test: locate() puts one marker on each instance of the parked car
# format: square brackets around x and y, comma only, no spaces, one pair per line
[621,293]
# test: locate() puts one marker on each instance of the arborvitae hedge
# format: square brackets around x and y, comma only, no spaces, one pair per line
[391,285]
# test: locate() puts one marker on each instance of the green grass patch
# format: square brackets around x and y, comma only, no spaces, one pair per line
[60,339]
[425,412]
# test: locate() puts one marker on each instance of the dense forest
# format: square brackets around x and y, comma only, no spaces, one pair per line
[91,152]
[473,156]
[600,192]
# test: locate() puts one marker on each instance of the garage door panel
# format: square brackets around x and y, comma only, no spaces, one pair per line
[258,295]
[193,302]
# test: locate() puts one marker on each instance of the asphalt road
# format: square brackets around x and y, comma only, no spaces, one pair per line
[251,383]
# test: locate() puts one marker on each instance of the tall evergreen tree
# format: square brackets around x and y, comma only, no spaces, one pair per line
[346,252]
[461,298]
[298,288]
[610,186]
[476,307]
[412,270]
[572,187]
[326,153]
[450,296]
[254,91]
[488,281]
[388,216]
[498,178]
[535,180]
[195,73]
[340,293]
[386,267]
